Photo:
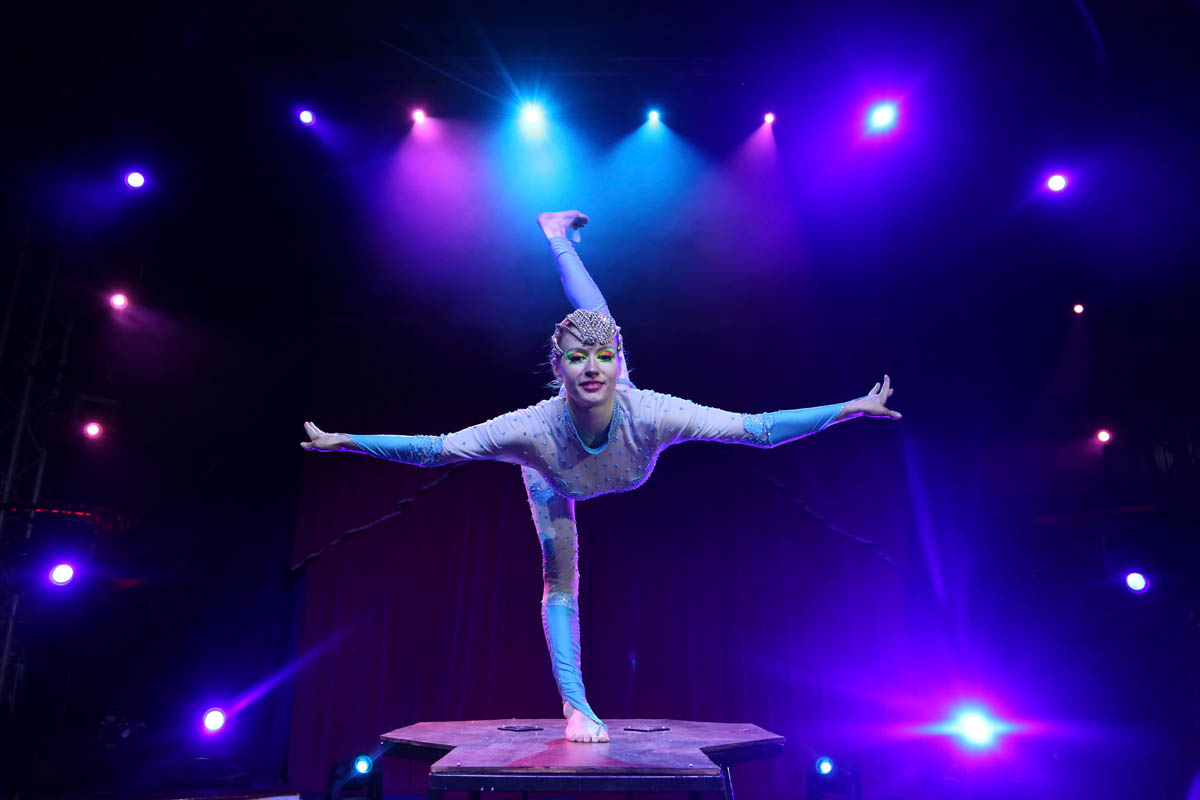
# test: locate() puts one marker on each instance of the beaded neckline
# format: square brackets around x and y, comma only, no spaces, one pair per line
[613,426]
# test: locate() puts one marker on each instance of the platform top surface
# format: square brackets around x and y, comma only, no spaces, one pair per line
[479,746]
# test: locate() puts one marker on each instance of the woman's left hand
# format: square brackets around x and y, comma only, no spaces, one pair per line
[875,403]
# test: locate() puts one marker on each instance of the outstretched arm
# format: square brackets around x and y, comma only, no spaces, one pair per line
[684,421]
[506,438]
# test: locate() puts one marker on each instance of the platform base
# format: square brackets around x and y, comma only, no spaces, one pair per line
[477,756]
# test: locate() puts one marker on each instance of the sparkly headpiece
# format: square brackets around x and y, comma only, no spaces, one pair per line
[590,327]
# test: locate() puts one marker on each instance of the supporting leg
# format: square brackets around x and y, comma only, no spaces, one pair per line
[727,783]
[554,519]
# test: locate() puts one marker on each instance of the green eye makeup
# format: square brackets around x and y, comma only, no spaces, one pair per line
[576,357]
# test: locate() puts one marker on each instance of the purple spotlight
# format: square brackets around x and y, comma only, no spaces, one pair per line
[419,116]
[975,728]
[214,720]
[118,301]
[135,180]
[307,117]
[92,430]
[1137,582]
[1103,436]
[769,118]
[1056,183]
[882,117]
[62,574]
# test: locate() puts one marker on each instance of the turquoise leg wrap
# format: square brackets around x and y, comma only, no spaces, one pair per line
[561,625]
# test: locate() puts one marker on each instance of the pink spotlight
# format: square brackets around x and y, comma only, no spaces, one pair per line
[1056,183]
[214,720]
[769,118]
[62,574]
[1103,436]
[1078,308]
[118,301]
[135,180]
[93,430]
[419,116]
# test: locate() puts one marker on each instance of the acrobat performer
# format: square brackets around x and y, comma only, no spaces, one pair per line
[599,434]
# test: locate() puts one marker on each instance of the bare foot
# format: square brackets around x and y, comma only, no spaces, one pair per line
[557,223]
[581,727]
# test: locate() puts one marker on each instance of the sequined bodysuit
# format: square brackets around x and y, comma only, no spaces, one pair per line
[559,468]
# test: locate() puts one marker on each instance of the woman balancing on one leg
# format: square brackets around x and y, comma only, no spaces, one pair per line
[600,434]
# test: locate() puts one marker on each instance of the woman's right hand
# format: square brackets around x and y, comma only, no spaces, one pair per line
[321,441]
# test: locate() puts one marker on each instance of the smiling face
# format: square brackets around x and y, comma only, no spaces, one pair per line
[588,371]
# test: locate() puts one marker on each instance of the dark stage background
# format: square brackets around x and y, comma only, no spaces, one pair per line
[846,591]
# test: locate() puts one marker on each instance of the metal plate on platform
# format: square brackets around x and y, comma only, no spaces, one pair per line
[478,748]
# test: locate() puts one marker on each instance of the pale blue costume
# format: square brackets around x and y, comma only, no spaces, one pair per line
[559,468]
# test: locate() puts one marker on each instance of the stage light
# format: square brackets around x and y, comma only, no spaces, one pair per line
[1103,436]
[824,765]
[1056,183]
[653,116]
[118,301]
[306,117]
[135,180]
[363,764]
[214,720]
[975,728]
[532,114]
[769,118]
[418,116]
[92,430]
[1137,582]
[62,574]
[882,117]
[1078,308]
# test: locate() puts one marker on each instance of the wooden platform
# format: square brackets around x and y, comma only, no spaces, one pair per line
[477,756]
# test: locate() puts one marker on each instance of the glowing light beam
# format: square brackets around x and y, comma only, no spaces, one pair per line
[62,574]
[1137,582]
[214,720]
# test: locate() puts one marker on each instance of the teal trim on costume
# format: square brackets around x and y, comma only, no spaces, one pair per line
[560,623]
[786,426]
[421,451]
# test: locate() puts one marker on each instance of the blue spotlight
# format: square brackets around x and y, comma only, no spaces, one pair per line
[532,114]
[135,180]
[363,764]
[882,117]
[1056,183]
[214,720]
[307,117]
[62,574]
[653,116]
[1137,582]
[824,765]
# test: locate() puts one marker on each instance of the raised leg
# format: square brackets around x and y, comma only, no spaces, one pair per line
[554,519]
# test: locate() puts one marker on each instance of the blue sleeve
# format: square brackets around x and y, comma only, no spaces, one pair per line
[420,451]
[513,437]
[680,420]
[581,290]
[782,427]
